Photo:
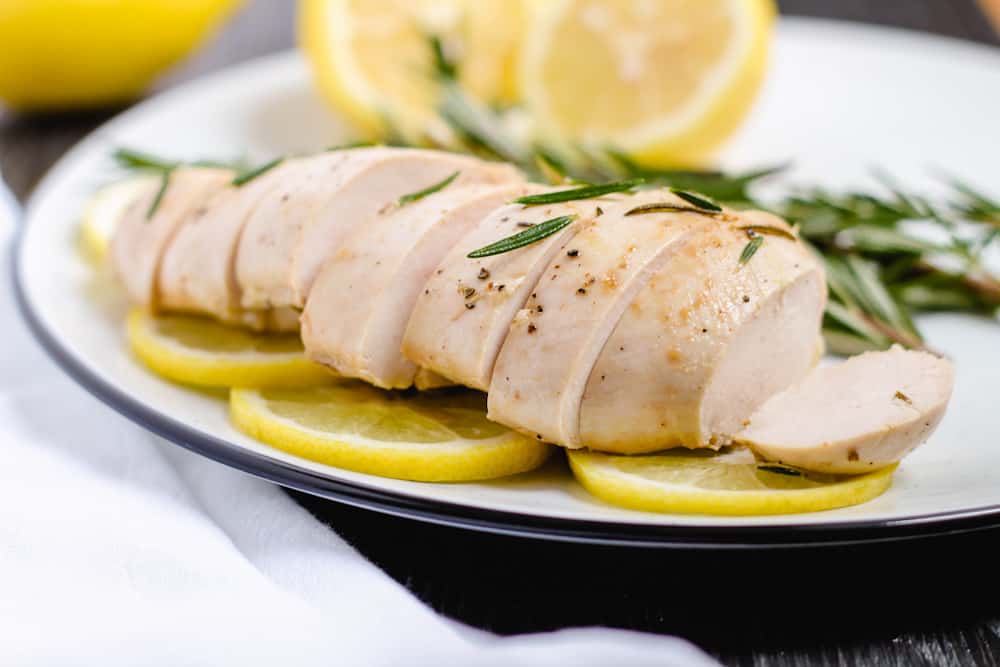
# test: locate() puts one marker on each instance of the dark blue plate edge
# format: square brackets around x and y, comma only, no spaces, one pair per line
[472,518]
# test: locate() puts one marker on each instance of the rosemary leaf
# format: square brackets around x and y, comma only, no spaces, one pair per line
[751,248]
[847,344]
[847,320]
[132,159]
[165,175]
[350,145]
[780,470]
[551,167]
[884,240]
[444,68]
[584,192]
[877,298]
[521,239]
[420,194]
[698,201]
[242,179]
[665,207]
[768,230]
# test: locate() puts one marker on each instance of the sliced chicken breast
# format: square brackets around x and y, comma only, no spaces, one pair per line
[285,244]
[856,416]
[272,232]
[198,273]
[361,301]
[462,316]
[554,341]
[140,240]
[704,343]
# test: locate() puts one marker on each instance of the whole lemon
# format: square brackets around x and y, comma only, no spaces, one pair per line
[74,54]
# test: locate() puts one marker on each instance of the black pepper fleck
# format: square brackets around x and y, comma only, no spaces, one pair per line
[532,328]
[540,309]
[483,274]
[525,224]
[573,253]
[581,291]
[746,299]
[470,306]
[469,292]
[599,212]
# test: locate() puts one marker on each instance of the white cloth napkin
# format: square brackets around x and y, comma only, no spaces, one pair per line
[120,549]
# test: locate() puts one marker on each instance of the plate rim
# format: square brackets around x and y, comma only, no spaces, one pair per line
[506,522]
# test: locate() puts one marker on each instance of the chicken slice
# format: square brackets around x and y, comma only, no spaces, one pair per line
[140,240]
[286,242]
[459,337]
[856,416]
[198,273]
[705,342]
[360,302]
[554,341]
[271,234]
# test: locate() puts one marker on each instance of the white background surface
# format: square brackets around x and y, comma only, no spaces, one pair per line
[840,100]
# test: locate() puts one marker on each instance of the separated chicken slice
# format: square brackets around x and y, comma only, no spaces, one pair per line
[706,341]
[462,316]
[360,302]
[856,416]
[198,273]
[149,224]
[554,341]
[286,243]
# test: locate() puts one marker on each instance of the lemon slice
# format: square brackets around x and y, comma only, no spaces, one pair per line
[105,209]
[201,352]
[440,436]
[373,61]
[664,81]
[692,483]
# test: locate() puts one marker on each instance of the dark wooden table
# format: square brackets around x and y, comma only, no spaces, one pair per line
[928,602]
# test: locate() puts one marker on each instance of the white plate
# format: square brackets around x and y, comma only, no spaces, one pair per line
[841,99]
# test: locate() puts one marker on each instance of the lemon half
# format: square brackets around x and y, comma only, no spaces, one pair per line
[689,483]
[665,81]
[201,352]
[440,436]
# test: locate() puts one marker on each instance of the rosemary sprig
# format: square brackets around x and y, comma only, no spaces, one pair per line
[582,192]
[429,190]
[242,179]
[527,237]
